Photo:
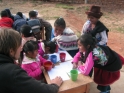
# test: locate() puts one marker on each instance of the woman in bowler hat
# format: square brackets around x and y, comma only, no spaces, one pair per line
[94,27]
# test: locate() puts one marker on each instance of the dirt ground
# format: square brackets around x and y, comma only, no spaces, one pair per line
[75,17]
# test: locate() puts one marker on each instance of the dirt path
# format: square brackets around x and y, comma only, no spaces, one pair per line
[115,39]
[74,18]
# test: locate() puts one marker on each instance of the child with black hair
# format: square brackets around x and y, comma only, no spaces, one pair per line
[94,26]
[21,15]
[27,34]
[106,62]
[65,37]
[45,47]
[35,24]
[5,21]
[10,15]
[46,25]
[18,21]
[31,61]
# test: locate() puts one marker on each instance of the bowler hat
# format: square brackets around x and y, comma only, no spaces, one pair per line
[94,11]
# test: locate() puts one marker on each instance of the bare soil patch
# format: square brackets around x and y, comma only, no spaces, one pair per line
[75,17]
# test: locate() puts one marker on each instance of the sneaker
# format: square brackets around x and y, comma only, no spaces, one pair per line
[108,91]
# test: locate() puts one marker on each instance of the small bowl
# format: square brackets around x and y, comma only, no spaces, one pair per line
[48,65]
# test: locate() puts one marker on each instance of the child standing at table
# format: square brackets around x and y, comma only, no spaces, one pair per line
[65,37]
[106,62]
[94,26]
[32,62]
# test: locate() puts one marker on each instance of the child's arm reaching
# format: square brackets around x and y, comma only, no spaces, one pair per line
[75,60]
[86,68]
[42,60]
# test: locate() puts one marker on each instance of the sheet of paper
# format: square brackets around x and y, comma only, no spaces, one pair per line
[61,70]
[68,56]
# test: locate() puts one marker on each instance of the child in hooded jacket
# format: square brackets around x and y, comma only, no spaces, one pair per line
[31,61]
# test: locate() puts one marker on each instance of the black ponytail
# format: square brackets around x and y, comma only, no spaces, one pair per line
[28,46]
[21,57]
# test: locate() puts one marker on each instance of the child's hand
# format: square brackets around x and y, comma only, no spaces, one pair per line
[74,65]
[53,65]
[57,80]
[46,56]
[80,63]
[42,68]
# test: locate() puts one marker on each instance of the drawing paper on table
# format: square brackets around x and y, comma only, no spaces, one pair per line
[57,71]
[61,70]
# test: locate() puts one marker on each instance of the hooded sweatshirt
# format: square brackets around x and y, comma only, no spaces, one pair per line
[18,22]
[13,79]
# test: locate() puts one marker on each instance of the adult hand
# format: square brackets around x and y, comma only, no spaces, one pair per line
[57,80]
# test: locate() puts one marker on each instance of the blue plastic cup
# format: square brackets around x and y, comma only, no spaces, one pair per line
[53,58]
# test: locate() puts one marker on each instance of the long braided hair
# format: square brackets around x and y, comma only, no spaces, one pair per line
[89,44]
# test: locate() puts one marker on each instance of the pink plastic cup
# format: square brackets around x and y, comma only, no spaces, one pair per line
[62,57]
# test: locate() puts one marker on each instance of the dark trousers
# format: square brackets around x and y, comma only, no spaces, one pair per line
[103,88]
[48,31]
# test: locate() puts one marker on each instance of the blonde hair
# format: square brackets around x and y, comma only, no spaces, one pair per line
[9,39]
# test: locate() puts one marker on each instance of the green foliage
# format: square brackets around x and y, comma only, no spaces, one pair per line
[65,6]
[86,8]
[120,29]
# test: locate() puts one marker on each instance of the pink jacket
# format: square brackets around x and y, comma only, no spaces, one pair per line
[33,67]
[86,68]
[41,49]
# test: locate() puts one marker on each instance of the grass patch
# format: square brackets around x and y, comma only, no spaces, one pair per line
[110,12]
[86,8]
[65,6]
[78,33]
[106,16]
[51,18]
[55,17]
[120,29]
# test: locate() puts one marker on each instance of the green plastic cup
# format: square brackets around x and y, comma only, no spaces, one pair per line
[73,74]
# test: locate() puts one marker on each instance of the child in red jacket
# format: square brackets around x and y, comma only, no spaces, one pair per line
[5,21]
